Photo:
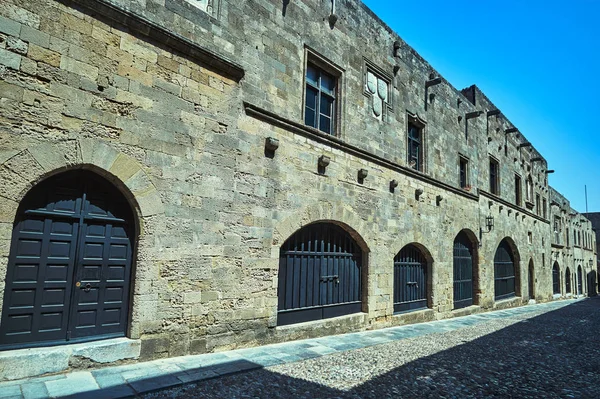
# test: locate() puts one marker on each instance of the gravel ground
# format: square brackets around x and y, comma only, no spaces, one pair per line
[538,355]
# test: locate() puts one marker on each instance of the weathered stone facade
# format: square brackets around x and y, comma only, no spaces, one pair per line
[173,102]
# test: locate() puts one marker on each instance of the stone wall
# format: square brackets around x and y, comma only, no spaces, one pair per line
[173,104]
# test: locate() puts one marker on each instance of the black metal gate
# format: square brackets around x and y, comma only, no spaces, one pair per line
[70,263]
[555,279]
[463,271]
[531,280]
[410,279]
[319,275]
[504,272]
[579,281]
[568,281]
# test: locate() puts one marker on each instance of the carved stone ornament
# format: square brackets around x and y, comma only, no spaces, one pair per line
[377,106]
[382,89]
[371,82]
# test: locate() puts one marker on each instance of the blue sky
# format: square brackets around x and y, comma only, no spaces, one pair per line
[538,61]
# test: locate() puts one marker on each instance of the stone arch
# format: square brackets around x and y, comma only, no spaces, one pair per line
[516,258]
[465,244]
[531,279]
[417,249]
[556,287]
[22,169]
[336,213]
[64,224]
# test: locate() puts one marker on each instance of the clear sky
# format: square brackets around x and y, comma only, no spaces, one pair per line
[537,60]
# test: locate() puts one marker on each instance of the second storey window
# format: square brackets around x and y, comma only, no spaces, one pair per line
[518,186]
[538,208]
[415,147]
[494,177]
[320,102]
[463,165]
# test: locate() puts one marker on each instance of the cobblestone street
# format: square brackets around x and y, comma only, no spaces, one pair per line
[548,353]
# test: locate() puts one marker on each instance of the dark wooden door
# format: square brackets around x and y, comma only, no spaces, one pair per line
[504,272]
[579,281]
[410,280]
[555,279]
[319,275]
[70,263]
[463,272]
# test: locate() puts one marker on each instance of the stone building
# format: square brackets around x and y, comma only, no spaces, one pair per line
[182,176]
[574,253]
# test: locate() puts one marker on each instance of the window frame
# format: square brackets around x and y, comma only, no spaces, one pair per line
[463,160]
[388,107]
[495,187]
[518,190]
[323,66]
[420,124]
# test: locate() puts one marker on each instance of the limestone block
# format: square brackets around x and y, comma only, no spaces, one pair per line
[51,157]
[9,26]
[77,67]
[130,45]
[10,59]
[97,153]
[44,55]
[32,35]
[124,167]
[25,363]
[108,351]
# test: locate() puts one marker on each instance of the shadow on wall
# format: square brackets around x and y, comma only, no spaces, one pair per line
[553,355]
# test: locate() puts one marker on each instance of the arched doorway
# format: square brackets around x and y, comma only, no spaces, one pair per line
[320,275]
[531,280]
[70,262]
[464,271]
[555,278]
[568,281]
[579,281]
[411,283]
[505,271]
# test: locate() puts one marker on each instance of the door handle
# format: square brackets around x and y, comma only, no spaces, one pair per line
[87,287]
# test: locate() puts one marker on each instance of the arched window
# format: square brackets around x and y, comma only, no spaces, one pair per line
[579,281]
[319,275]
[504,272]
[410,279]
[556,279]
[69,268]
[464,271]
[568,281]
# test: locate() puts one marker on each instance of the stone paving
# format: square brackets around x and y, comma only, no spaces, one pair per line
[182,372]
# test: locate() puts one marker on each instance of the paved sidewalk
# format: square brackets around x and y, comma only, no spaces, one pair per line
[138,378]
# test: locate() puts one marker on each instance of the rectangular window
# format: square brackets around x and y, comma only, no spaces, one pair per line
[415,147]
[494,177]
[463,165]
[321,97]
[538,209]
[518,190]
[545,208]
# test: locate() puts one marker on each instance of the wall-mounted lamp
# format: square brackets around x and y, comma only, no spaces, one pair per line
[489,223]
[393,185]
[438,199]
[362,174]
